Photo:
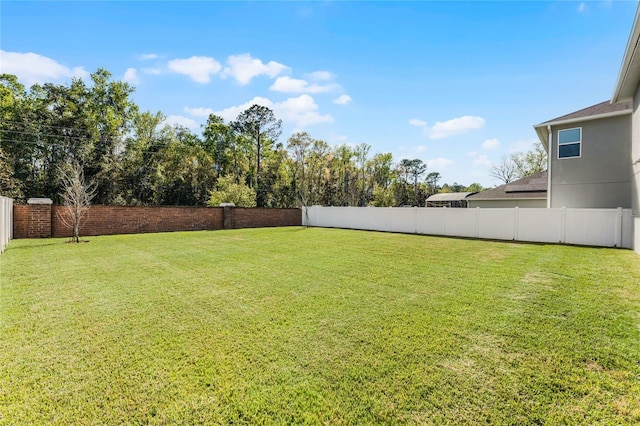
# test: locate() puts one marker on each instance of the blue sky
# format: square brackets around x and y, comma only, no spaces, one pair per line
[456,84]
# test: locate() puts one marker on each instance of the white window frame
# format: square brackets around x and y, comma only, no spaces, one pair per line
[579,142]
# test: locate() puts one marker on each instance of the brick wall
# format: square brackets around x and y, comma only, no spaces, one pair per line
[20,221]
[39,225]
[107,220]
[260,218]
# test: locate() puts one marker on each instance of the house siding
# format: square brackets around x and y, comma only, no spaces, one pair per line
[602,176]
[539,203]
[635,183]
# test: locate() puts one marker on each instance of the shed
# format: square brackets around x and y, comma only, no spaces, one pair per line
[449,199]
[529,192]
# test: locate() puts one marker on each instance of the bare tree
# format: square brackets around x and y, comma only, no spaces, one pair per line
[505,171]
[76,198]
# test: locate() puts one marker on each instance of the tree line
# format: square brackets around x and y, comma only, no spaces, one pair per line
[133,158]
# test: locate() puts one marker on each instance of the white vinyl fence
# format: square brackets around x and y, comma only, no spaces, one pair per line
[6,222]
[592,227]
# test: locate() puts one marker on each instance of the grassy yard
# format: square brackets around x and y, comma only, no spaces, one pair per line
[294,325]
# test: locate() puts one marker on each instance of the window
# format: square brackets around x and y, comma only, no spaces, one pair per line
[569,143]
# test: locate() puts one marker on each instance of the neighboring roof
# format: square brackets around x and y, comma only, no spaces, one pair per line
[450,196]
[629,76]
[602,110]
[534,186]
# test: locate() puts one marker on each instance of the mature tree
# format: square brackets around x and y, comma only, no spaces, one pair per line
[110,113]
[474,187]
[417,168]
[530,162]
[432,180]
[299,145]
[505,171]
[76,198]
[141,158]
[229,191]
[221,143]
[382,176]
[520,164]
[362,151]
[260,125]
[185,170]
[9,185]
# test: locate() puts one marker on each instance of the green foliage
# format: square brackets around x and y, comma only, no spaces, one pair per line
[229,191]
[135,158]
[383,197]
[318,326]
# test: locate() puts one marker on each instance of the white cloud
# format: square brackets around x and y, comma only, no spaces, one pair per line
[455,126]
[417,123]
[482,160]
[243,68]
[523,145]
[131,76]
[421,148]
[438,163]
[154,71]
[287,84]
[340,138]
[320,76]
[301,111]
[31,68]
[490,144]
[181,121]
[198,68]
[342,100]
[472,153]
[199,111]
[148,56]
[582,7]
[231,113]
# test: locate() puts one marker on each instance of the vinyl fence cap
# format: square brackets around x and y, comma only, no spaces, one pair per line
[227,205]
[39,201]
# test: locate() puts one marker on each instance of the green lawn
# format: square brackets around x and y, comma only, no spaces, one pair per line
[294,325]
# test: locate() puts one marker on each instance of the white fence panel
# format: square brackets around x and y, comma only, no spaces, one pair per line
[593,227]
[461,223]
[6,222]
[627,229]
[596,227]
[380,218]
[323,216]
[357,218]
[540,225]
[403,219]
[431,221]
[497,224]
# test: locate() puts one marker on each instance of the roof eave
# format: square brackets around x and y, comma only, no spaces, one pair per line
[543,135]
[541,129]
[507,199]
[629,75]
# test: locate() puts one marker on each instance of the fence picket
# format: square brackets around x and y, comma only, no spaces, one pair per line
[594,227]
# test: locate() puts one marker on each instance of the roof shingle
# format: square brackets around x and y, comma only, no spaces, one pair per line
[534,186]
[605,107]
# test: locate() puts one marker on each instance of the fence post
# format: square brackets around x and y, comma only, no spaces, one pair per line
[563,225]
[477,222]
[444,221]
[618,228]
[516,222]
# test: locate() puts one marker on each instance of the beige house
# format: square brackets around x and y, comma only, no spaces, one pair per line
[528,192]
[594,153]
[589,152]
[627,89]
